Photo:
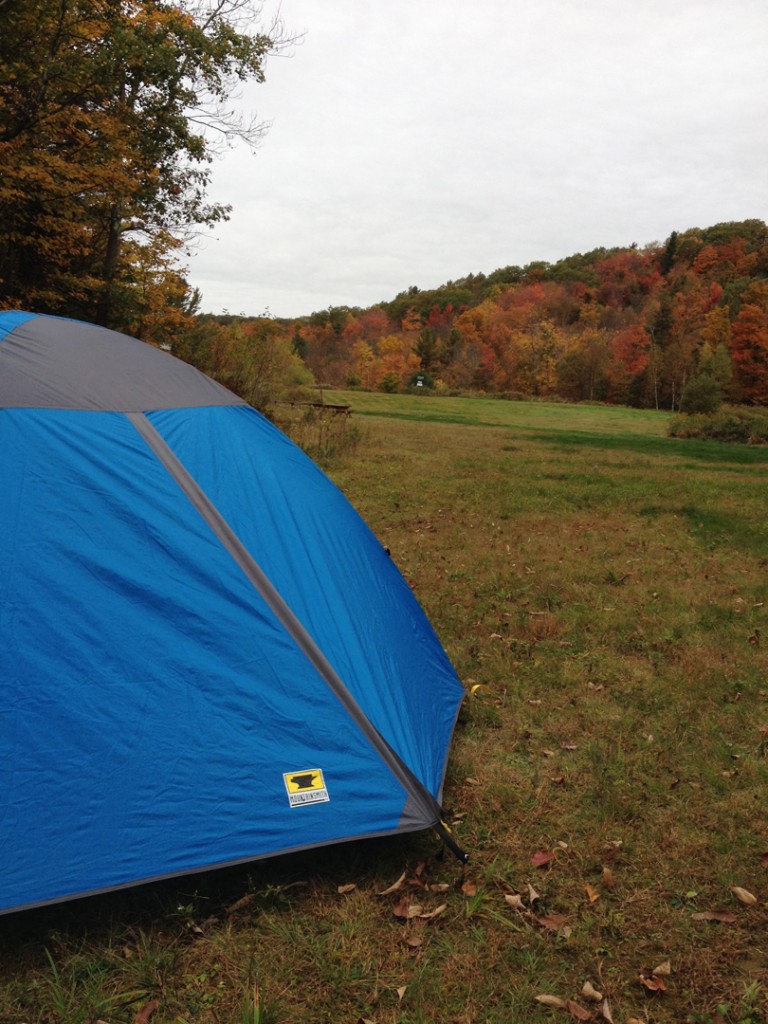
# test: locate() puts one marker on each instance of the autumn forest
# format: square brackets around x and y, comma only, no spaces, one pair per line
[109,116]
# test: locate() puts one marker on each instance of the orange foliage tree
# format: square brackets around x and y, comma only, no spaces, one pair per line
[104,151]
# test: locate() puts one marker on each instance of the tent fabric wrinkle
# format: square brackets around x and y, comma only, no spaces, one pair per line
[207,657]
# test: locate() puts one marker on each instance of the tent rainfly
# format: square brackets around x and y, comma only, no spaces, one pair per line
[206,657]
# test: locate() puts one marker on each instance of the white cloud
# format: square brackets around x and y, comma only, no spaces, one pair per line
[415,142]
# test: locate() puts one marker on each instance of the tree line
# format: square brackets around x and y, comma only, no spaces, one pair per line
[650,327]
[110,114]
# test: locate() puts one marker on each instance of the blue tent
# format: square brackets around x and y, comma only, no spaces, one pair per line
[206,657]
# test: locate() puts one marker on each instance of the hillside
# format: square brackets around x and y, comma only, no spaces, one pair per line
[628,326]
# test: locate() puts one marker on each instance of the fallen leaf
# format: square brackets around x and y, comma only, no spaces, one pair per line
[143,1015]
[663,970]
[406,909]
[592,894]
[472,781]
[590,992]
[395,886]
[344,889]
[439,887]
[548,753]
[553,921]
[578,1011]
[605,1012]
[653,984]
[433,913]
[714,915]
[569,746]
[743,895]
[414,941]
[242,902]
[401,993]
[542,857]
[514,900]
[554,1001]
[535,703]
[469,888]
[608,878]
[532,894]
[562,845]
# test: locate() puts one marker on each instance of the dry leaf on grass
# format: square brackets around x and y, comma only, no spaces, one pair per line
[532,895]
[577,1010]
[400,993]
[542,857]
[143,1015]
[605,1012]
[243,902]
[439,887]
[406,909]
[608,880]
[743,895]
[513,899]
[433,913]
[469,888]
[344,889]
[652,983]
[589,991]
[663,970]
[395,886]
[414,941]
[553,921]
[553,1001]
[592,894]
[715,915]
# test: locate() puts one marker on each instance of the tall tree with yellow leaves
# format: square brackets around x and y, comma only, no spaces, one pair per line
[108,114]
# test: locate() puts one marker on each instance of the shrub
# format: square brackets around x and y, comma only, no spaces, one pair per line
[734,424]
[390,383]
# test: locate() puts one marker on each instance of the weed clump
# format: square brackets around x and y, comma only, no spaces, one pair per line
[734,424]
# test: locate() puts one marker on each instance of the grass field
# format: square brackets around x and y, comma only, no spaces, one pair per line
[601,590]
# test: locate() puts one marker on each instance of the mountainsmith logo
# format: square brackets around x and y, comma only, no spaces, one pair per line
[305,787]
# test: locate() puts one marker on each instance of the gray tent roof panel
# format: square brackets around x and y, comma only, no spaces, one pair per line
[81,366]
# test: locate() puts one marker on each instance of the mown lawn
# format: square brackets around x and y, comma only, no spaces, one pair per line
[602,592]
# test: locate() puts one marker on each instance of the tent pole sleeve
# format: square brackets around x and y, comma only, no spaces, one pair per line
[423,800]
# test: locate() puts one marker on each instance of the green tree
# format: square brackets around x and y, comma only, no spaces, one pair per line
[701,394]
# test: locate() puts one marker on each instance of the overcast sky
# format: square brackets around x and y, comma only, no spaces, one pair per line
[416,141]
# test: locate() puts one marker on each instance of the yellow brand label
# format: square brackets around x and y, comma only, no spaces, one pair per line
[305,787]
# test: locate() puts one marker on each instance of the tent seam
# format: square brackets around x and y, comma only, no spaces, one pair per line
[227,537]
